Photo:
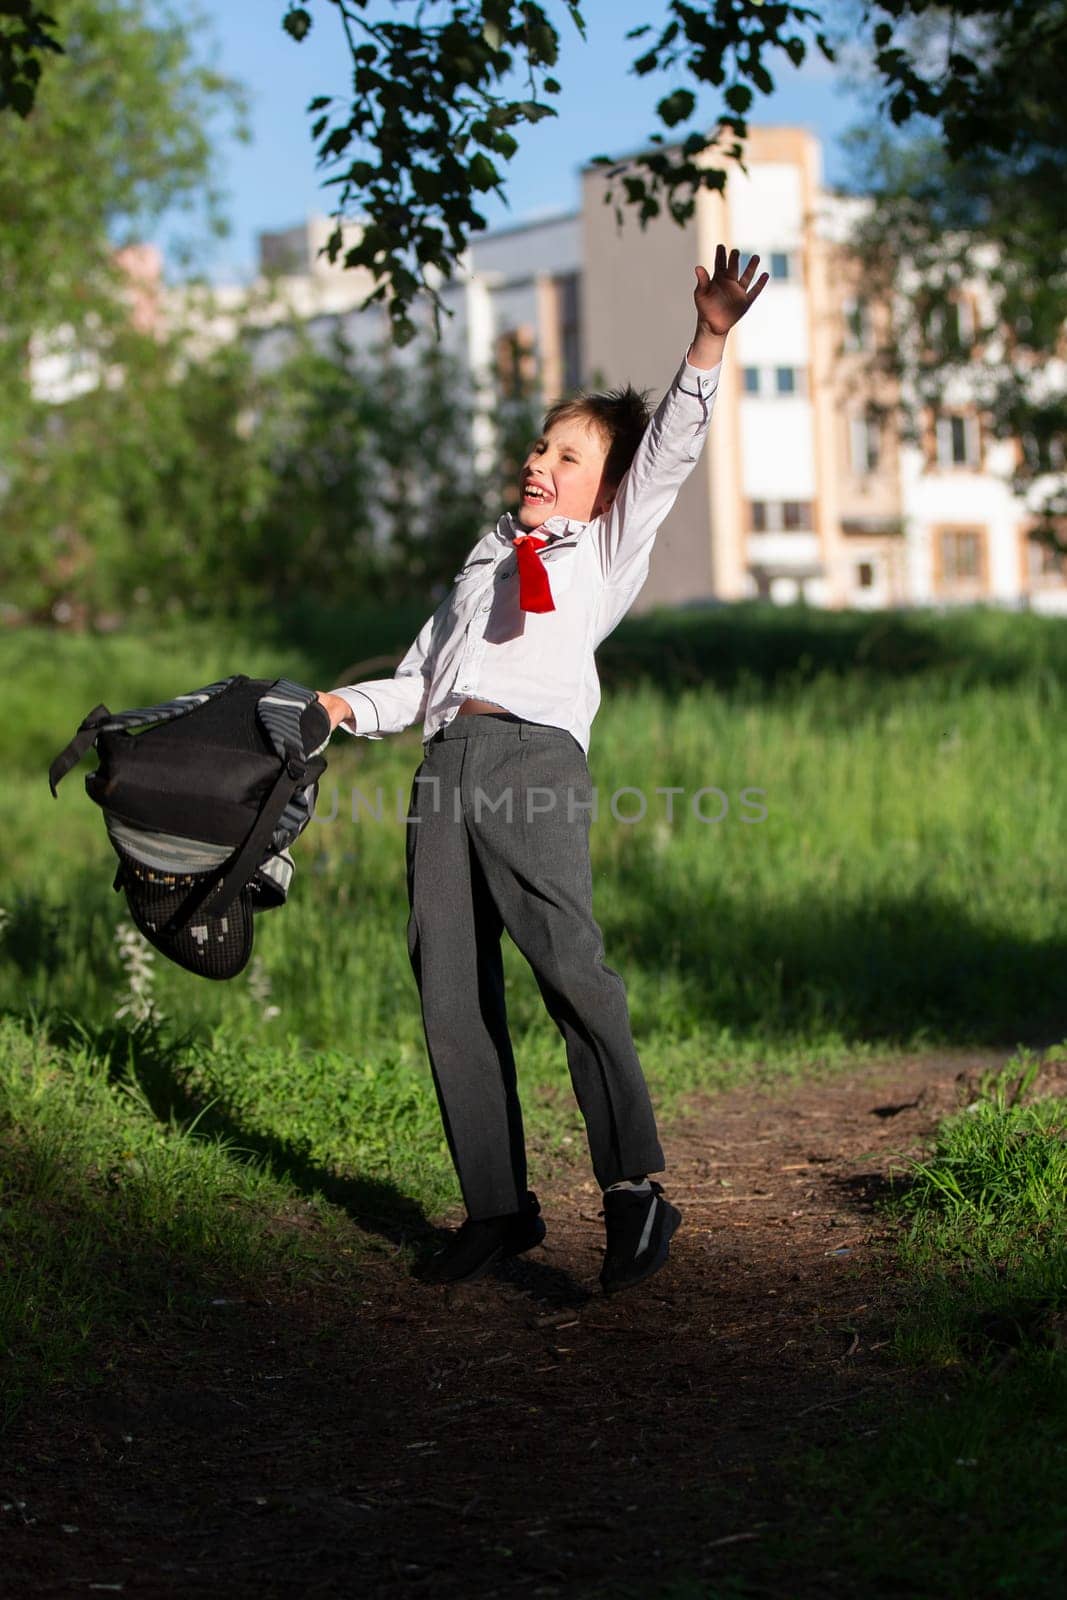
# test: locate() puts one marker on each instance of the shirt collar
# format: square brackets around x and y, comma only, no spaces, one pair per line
[555,527]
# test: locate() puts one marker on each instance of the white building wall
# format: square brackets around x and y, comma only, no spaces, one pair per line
[767,207]
[551,246]
[777,450]
[778,336]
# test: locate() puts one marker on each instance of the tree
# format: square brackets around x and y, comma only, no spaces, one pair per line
[224,482]
[119,131]
[373,489]
[993,213]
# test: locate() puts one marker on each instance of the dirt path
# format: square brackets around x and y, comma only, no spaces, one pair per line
[522,1436]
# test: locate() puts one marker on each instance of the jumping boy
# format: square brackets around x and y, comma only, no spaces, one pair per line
[503,676]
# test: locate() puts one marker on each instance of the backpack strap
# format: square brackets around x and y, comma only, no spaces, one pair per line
[281,710]
[98,718]
[297,773]
[101,720]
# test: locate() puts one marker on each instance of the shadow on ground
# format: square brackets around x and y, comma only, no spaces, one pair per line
[376,1436]
[887,970]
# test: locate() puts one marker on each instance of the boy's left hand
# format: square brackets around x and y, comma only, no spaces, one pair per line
[723,299]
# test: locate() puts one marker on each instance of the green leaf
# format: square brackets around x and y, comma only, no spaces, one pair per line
[534,110]
[428,185]
[900,106]
[482,173]
[402,327]
[676,107]
[297,23]
[738,97]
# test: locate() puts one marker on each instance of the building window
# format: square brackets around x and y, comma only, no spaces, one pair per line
[961,555]
[750,380]
[957,441]
[865,575]
[1047,561]
[857,325]
[780,516]
[782,267]
[785,380]
[567,290]
[951,324]
[865,443]
[960,322]
[796,516]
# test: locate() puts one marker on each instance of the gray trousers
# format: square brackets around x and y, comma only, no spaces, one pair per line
[498,837]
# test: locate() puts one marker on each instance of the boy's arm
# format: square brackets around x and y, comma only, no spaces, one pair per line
[667,454]
[675,436]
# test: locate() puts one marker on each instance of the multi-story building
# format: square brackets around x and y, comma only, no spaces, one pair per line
[809,488]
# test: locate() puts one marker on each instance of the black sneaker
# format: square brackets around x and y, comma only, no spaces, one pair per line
[639,1228]
[476,1246]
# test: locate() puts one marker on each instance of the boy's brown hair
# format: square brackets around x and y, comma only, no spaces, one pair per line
[620,416]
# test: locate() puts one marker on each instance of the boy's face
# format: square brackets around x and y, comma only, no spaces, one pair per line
[563,476]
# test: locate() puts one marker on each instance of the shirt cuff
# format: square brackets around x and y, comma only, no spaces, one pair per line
[349,697]
[699,380]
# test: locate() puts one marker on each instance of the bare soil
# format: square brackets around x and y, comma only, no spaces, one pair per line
[519,1436]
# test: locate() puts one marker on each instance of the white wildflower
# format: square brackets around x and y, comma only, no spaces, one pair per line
[260,989]
[137,956]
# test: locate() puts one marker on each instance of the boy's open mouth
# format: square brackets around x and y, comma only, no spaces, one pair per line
[534,495]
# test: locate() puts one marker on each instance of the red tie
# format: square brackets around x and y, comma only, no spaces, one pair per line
[535,592]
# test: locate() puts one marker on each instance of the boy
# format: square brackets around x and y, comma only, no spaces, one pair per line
[504,679]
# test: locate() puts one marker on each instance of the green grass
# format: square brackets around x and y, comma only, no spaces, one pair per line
[905,890]
[984,1220]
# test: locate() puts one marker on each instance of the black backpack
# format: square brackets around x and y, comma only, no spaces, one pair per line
[202,797]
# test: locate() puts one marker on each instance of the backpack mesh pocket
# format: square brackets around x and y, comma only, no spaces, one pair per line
[212,946]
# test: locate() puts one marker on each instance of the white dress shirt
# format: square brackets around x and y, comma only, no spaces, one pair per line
[540,665]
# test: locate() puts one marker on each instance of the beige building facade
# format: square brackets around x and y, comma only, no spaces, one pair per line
[808,489]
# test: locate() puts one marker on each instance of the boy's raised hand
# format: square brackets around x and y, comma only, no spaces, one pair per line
[723,299]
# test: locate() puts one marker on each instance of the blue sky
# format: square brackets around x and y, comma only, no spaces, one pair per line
[273,182]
